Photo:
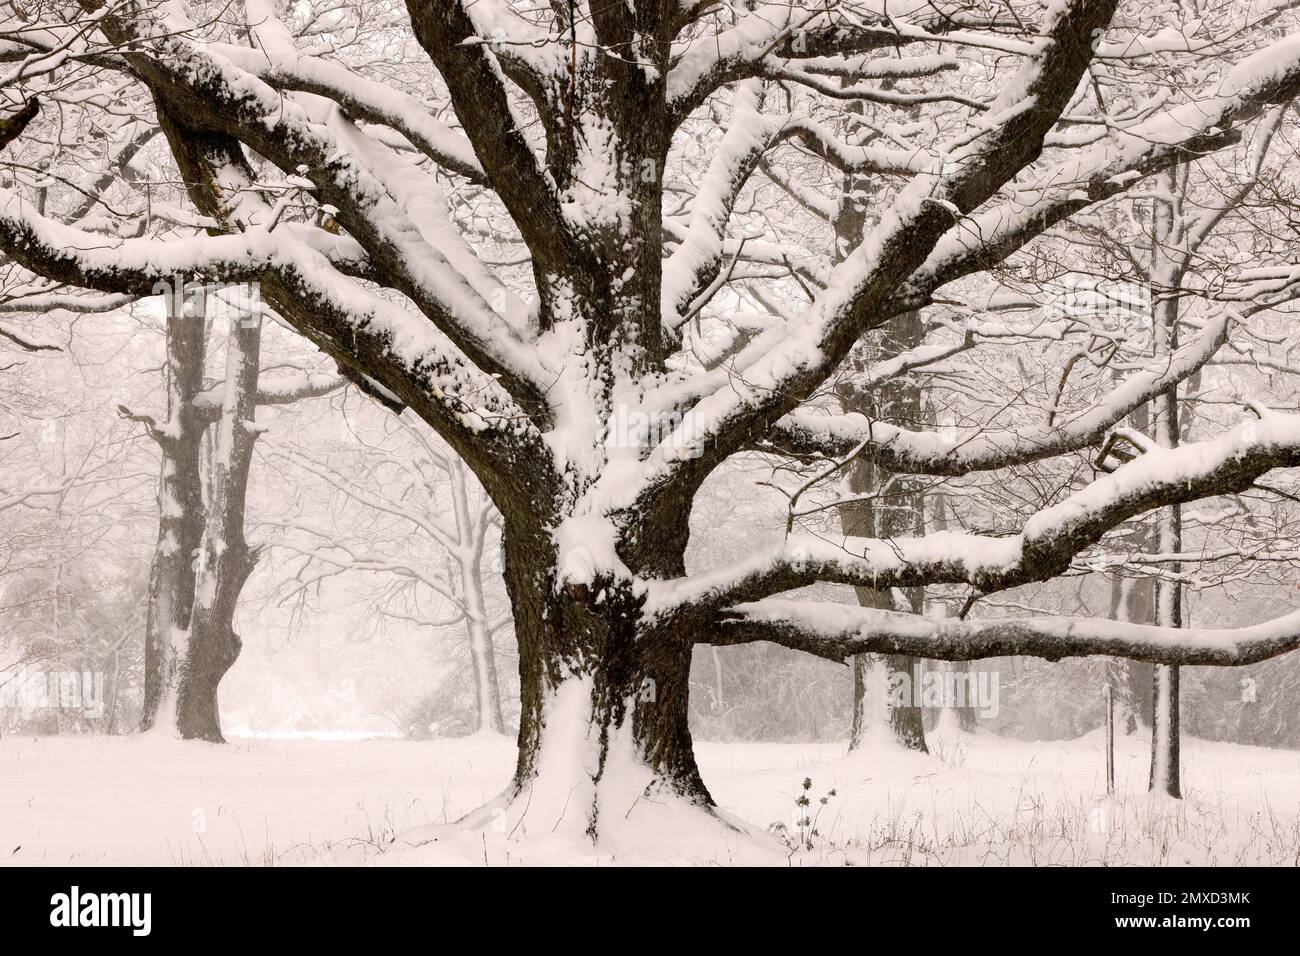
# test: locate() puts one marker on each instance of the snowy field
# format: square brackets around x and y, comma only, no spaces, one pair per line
[977,800]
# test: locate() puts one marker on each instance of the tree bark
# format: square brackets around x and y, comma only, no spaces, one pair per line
[958,710]
[1117,669]
[1167,275]
[1138,605]
[604,736]
[487,689]
[895,508]
[226,559]
[873,711]
[1165,703]
[180,508]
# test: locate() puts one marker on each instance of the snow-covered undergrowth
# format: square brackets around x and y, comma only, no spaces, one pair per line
[977,800]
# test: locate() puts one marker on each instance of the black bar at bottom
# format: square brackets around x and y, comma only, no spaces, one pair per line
[334,906]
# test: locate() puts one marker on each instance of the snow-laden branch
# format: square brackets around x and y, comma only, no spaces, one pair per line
[278,61]
[1033,203]
[979,186]
[466,406]
[973,167]
[366,100]
[1044,548]
[702,249]
[838,631]
[762,39]
[279,390]
[339,309]
[91,192]
[26,344]
[128,267]
[698,256]
[452,33]
[899,449]
[421,254]
[78,302]
[11,127]
[851,158]
[750,135]
[870,94]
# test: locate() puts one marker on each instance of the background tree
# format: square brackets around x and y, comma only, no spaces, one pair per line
[419,509]
[201,552]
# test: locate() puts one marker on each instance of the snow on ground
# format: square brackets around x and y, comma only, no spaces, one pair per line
[978,799]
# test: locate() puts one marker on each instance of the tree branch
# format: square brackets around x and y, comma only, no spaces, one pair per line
[838,631]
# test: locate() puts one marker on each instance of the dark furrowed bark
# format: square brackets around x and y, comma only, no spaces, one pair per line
[180,508]
[633,688]
[892,506]
[227,560]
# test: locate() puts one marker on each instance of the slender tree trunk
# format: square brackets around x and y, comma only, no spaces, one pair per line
[1130,600]
[1165,750]
[892,509]
[1118,676]
[884,688]
[1167,278]
[1140,608]
[227,560]
[1137,603]
[180,509]
[487,690]
[958,710]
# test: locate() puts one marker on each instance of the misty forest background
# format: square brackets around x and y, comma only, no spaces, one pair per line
[342,632]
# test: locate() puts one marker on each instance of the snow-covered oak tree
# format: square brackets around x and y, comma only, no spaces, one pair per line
[583,407]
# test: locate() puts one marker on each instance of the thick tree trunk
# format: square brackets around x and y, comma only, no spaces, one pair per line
[886,700]
[226,559]
[959,710]
[604,739]
[180,509]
